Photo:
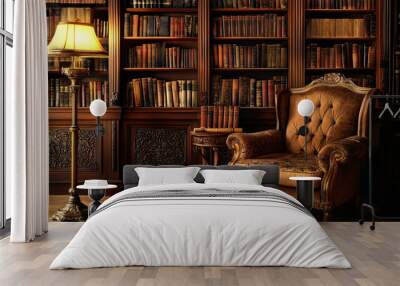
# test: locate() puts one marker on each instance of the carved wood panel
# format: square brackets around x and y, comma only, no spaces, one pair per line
[160,146]
[59,149]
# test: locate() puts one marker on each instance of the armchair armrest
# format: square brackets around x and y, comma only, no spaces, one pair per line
[251,145]
[342,162]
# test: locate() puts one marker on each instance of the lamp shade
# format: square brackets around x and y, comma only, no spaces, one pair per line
[75,39]
[98,108]
[305,108]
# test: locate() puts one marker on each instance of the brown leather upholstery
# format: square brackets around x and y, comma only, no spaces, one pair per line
[337,144]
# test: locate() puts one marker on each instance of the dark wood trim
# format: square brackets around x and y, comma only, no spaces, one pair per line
[296,46]
[114,49]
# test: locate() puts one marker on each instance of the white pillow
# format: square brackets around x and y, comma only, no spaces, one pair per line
[166,176]
[247,177]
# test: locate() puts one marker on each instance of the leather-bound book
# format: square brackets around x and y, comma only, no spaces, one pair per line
[259,101]
[220,56]
[244,84]
[175,93]
[215,117]
[220,116]
[210,117]
[216,89]
[371,57]
[355,56]
[264,88]
[189,90]
[230,116]
[145,92]
[195,97]
[137,92]
[252,92]
[271,93]
[235,92]
[160,93]
[169,96]
[151,92]
[203,116]
[236,116]
[127,31]
[226,115]
[184,94]
[164,26]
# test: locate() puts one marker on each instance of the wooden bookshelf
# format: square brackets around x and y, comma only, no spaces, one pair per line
[367,48]
[248,10]
[161,10]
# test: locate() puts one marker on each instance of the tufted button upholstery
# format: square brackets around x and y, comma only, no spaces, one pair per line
[335,117]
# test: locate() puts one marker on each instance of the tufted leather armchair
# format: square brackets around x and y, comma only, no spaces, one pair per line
[337,141]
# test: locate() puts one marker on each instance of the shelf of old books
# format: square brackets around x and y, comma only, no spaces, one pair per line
[341,37]
[249,52]
[159,54]
[96,85]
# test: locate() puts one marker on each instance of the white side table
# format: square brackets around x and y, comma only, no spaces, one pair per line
[96,191]
[305,190]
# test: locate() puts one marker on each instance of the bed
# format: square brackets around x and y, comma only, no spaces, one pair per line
[197,224]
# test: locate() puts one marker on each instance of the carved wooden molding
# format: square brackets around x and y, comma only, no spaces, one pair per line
[333,79]
[60,148]
[160,146]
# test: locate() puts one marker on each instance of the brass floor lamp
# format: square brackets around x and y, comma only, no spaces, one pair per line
[76,40]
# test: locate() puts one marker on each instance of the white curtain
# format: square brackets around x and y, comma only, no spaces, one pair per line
[27,124]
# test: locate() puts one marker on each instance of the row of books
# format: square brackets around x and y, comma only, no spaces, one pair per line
[59,92]
[162,3]
[364,80]
[346,55]
[152,92]
[158,55]
[268,25]
[277,4]
[257,56]
[56,15]
[341,4]
[94,65]
[101,28]
[247,92]
[219,116]
[77,1]
[160,26]
[327,28]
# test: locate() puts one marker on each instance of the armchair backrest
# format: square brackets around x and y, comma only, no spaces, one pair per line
[341,110]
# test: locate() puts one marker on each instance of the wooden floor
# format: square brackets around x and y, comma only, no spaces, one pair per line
[375,257]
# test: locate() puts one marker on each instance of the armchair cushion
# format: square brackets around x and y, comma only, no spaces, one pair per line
[290,165]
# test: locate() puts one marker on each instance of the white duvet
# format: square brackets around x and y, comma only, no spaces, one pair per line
[200,232]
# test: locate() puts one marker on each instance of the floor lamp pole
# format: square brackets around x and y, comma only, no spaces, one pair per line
[74,210]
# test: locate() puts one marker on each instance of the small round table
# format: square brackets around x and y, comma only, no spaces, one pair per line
[305,190]
[96,194]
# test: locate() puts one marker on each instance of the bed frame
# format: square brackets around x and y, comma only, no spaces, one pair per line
[271,177]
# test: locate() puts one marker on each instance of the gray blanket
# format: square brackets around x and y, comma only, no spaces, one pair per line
[206,194]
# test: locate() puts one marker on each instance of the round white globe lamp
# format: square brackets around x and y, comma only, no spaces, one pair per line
[305,108]
[98,108]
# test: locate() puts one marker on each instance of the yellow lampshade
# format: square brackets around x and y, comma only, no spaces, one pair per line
[75,39]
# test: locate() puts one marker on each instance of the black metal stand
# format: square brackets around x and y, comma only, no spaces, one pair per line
[373,217]
[96,196]
[370,205]
[305,193]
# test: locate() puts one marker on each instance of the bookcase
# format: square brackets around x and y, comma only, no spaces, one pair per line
[169,58]
[343,36]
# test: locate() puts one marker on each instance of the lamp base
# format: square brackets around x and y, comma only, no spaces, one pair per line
[73,211]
